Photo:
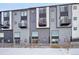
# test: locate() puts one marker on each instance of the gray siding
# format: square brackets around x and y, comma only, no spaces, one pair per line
[24,33]
[43,33]
[64,33]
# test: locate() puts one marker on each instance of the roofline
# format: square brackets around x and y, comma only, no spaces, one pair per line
[40,7]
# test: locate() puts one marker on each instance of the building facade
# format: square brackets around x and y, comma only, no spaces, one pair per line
[46,26]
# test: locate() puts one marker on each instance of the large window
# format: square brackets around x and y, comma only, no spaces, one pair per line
[64,17]
[23,21]
[63,8]
[42,17]
[6,20]
[55,36]
[6,14]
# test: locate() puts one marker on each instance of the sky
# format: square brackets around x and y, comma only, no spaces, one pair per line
[12,6]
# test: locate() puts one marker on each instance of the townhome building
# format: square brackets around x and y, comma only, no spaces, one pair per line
[41,26]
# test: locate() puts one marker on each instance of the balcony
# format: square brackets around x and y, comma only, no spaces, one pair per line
[64,21]
[23,24]
[5,24]
[42,22]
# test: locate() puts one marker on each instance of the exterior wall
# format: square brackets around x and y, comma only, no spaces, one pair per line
[24,33]
[43,34]
[75,23]
[64,33]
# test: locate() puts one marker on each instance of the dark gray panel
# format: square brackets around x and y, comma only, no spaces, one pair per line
[8,36]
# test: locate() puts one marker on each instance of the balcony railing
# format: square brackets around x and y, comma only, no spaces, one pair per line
[23,24]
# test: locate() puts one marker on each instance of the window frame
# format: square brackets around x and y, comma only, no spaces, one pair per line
[55,37]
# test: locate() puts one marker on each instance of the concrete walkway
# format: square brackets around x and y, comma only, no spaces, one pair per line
[37,51]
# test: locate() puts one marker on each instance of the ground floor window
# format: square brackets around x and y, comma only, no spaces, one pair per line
[35,37]
[17,37]
[54,36]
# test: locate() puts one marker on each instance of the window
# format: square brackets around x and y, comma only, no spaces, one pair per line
[74,7]
[6,14]
[17,34]
[55,33]
[55,36]
[75,18]
[34,34]
[1,35]
[64,16]
[34,37]
[42,10]
[17,37]
[23,21]
[75,28]
[63,8]
[42,17]
[24,13]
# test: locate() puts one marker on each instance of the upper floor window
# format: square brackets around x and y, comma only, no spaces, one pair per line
[64,19]
[6,14]
[63,10]
[42,10]
[75,18]
[74,7]
[42,17]
[23,13]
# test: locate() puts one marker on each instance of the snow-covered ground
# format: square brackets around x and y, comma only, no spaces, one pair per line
[37,51]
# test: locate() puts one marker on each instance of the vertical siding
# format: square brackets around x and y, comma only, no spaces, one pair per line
[63,32]
[24,33]
[43,33]
[75,23]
